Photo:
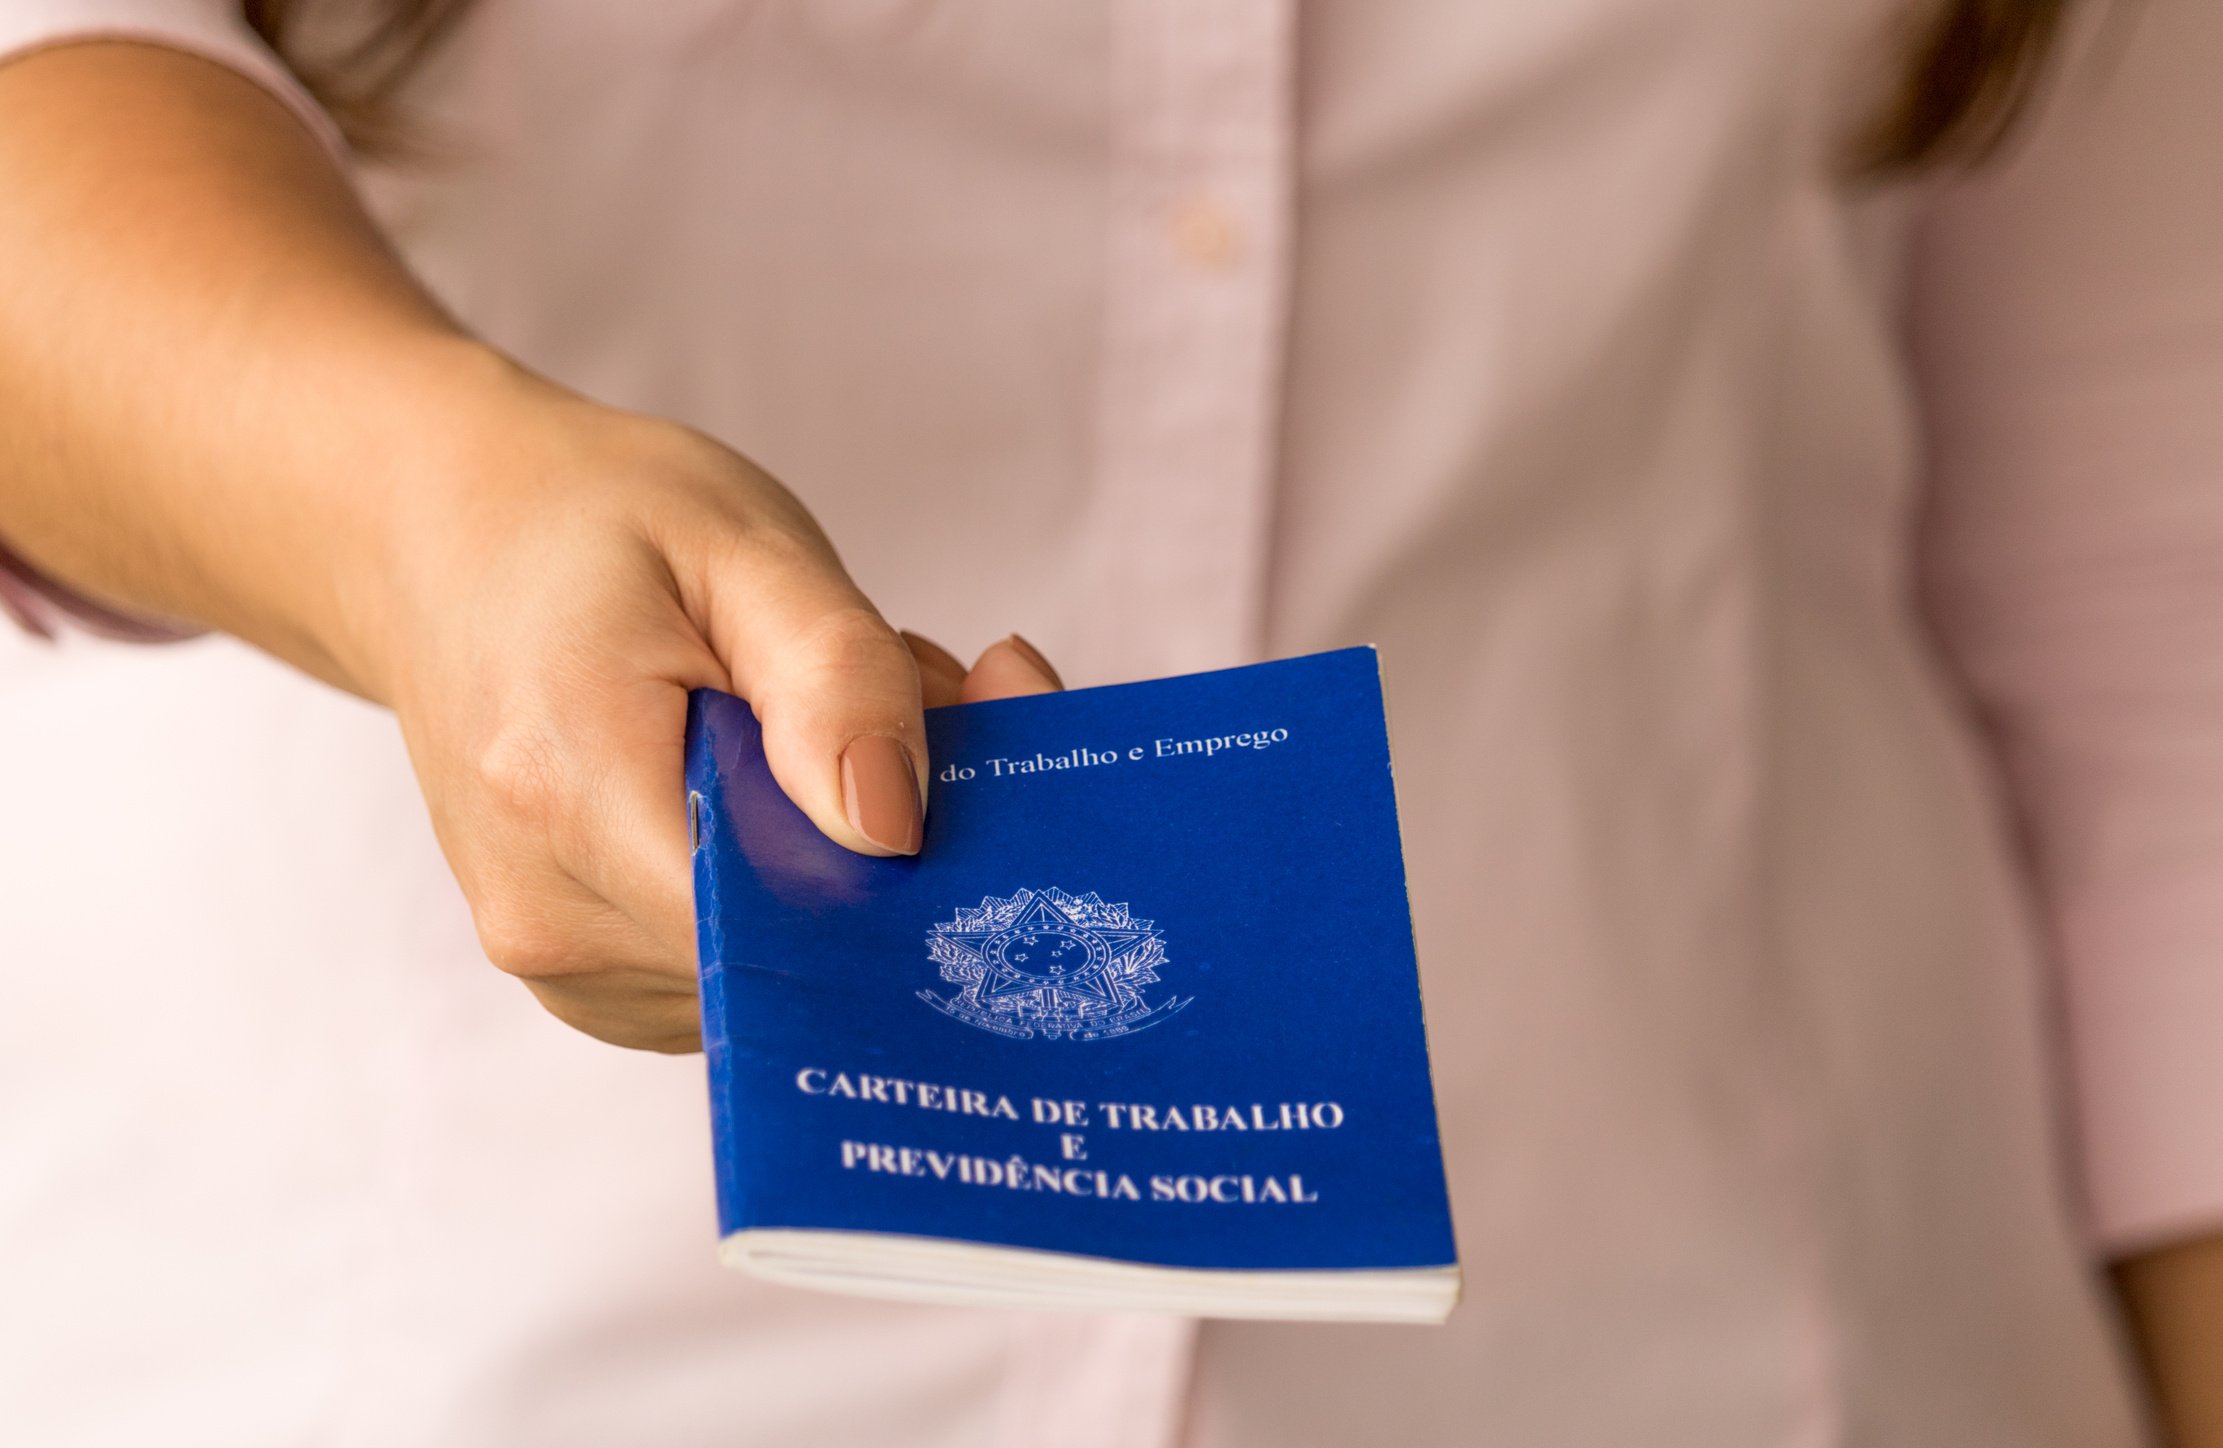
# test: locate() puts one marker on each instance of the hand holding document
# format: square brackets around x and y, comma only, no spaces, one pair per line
[1138,1028]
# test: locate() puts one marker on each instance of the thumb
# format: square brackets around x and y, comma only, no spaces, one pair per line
[835,689]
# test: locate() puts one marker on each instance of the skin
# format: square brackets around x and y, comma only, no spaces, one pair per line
[224,401]
[2175,1300]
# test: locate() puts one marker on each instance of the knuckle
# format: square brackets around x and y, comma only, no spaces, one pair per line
[667,1026]
[778,535]
[778,554]
[520,945]
[520,771]
[853,643]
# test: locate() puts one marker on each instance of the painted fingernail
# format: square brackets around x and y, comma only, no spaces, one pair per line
[1033,656]
[880,793]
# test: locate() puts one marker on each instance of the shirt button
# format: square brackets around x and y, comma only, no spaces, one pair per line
[1206,235]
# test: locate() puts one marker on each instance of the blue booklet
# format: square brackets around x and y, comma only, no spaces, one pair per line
[1139,1027]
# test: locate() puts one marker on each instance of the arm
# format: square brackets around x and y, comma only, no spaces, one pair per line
[223,401]
[2069,323]
[2175,1299]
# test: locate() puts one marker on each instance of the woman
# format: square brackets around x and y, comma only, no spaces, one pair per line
[1763,516]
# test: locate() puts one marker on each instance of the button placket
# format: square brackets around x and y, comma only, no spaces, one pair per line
[1196,294]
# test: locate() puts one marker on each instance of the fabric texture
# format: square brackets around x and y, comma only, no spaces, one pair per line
[2069,320]
[1794,598]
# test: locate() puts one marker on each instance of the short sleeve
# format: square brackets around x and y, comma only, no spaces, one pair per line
[215,31]
[2067,323]
[212,29]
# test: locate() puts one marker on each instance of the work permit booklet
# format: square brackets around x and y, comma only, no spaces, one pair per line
[1138,1028]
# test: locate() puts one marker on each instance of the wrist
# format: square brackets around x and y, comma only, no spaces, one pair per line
[439,438]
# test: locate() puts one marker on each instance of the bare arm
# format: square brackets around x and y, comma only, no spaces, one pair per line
[2068,324]
[196,321]
[2174,1298]
[223,400]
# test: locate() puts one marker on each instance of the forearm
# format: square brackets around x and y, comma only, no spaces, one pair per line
[2174,1300]
[223,399]
[212,369]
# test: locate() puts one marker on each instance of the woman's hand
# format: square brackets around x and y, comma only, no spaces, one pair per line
[224,401]
[536,620]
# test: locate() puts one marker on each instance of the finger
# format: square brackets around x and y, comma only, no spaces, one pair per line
[834,687]
[581,861]
[589,963]
[617,821]
[941,677]
[568,819]
[641,1012]
[1009,669]
[599,927]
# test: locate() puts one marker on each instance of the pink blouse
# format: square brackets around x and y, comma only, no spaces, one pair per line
[1800,601]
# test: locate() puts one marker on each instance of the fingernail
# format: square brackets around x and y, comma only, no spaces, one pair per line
[880,793]
[1033,656]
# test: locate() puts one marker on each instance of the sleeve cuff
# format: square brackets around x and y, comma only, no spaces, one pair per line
[212,31]
[38,604]
[2146,1032]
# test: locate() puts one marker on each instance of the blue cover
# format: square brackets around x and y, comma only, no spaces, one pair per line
[1184,896]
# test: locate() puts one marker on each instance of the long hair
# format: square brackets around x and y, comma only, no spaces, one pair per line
[1970,71]
[1970,74]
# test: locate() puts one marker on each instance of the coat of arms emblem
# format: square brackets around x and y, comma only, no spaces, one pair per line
[1048,964]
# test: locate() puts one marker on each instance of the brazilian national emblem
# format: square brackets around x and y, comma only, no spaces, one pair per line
[1045,963]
